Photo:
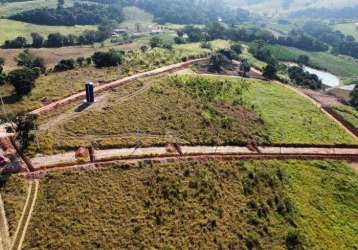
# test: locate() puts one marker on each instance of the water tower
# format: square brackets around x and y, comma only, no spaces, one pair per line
[90,92]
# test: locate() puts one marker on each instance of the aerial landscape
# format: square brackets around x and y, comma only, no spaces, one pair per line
[178,124]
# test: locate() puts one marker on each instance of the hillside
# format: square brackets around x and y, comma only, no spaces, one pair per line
[278,7]
[245,205]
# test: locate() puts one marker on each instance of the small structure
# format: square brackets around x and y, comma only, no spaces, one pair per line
[90,93]
[342,92]
[119,32]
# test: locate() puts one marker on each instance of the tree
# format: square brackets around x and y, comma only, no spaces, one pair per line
[25,125]
[303,60]
[80,61]
[354,97]
[37,40]
[29,60]
[2,75]
[65,64]
[218,61]
[156,42]
[270,71]
[18,43]
[245,67]
[237,48]
[23,80]
[55,40]
[108,59]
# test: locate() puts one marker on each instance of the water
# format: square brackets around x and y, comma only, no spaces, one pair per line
[327,78]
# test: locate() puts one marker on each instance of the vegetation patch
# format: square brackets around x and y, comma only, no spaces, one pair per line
[13,190]
[266,205]
[348,113]
[162,113]
[342,66]
[57,85]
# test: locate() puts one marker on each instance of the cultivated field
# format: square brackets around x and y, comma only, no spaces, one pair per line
[266,204]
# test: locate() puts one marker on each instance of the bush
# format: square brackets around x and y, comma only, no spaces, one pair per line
[270,72]
[65,64]
[29,60]
[108,59]
[206,45]
[23,80]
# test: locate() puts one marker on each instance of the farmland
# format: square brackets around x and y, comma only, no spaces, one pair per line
[199,205]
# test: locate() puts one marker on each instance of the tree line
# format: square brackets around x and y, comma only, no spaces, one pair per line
[217,30]
[78,14]
[57,40]
[340,43]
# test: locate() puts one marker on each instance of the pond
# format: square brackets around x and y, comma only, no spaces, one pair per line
[327,78]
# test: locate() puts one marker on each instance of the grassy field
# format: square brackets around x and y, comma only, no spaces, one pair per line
[191,110]
[13,190]
[259,205]
[12,29]
[350,29]
[290,118]
[135,16]
[9,9]
[55,86]
[161,114]
[348,113]
[346,68]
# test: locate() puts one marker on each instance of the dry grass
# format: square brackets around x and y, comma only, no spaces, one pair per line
[164,113]
[13,190]
[53,55]
[213,205]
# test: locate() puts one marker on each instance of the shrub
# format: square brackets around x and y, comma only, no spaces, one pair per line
[23,80]
[65,64]
[108,59]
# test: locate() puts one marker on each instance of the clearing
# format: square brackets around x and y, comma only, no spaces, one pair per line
[173,109]
[194,205]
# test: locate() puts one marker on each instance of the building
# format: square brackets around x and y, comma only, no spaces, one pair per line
[119,32]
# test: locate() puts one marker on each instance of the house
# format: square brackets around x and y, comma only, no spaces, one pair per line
[119,32]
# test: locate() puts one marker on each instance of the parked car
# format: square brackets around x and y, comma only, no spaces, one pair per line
[2,161]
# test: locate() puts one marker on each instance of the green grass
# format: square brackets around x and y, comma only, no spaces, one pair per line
[12,29]
[134,16]
[346,68]
[349,114]
[199,206]
[13,190]
[9,9]
[290,118]
[349,29]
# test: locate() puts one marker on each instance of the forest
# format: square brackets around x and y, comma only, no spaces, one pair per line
[78,14]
